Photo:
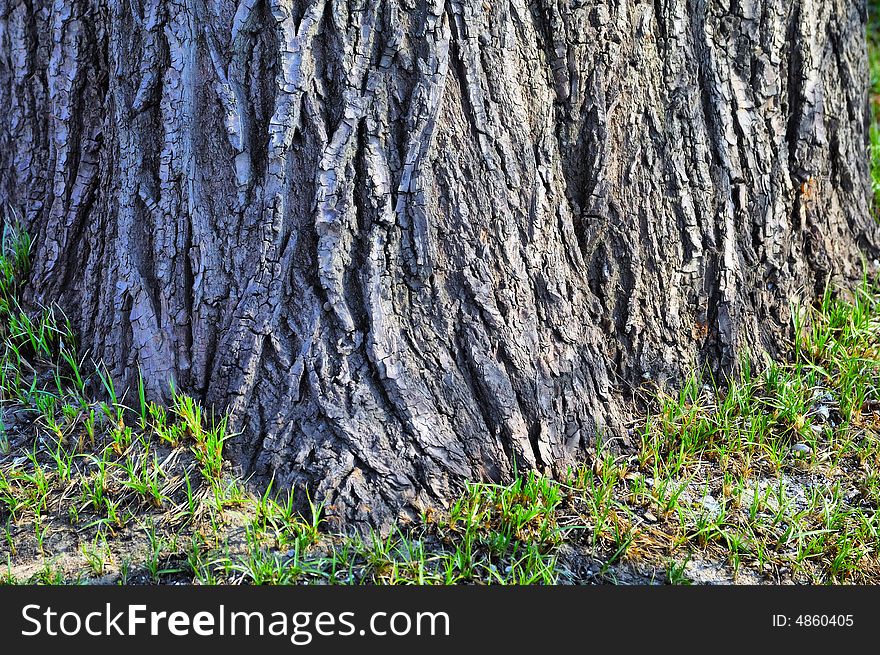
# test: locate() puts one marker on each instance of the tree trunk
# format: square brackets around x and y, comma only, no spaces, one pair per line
[408,243]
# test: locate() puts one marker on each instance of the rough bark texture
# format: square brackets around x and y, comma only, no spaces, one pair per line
[409,242]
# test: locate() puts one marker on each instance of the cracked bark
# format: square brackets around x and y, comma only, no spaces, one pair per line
[409,243]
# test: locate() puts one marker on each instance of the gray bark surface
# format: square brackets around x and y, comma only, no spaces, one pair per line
[408,243]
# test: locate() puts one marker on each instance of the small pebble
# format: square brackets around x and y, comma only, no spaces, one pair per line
[801,449]
[710,504]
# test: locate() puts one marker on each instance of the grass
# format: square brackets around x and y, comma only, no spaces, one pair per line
[873,34]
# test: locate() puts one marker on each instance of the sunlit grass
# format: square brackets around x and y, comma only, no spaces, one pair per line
[873,34]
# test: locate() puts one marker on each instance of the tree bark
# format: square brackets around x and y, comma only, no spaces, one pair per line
[408,243]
